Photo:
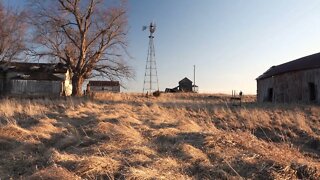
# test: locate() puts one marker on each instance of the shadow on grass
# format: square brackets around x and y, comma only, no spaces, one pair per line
[305,143]
[20,159]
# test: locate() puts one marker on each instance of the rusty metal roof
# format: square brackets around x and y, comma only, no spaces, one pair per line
[38,77]
[33,67]
[34,71]
[104,83]
[308,62]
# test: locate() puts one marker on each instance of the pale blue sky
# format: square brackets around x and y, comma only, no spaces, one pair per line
[230,41]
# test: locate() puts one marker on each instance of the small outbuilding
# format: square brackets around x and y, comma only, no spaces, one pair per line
[103,86]
[19,79]
[185,85]
[294,81]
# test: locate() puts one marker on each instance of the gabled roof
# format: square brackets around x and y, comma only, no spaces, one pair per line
[184,80]
[308,62]
[104,83]
[33,67]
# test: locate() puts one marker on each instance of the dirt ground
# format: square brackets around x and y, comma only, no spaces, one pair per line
[175,136]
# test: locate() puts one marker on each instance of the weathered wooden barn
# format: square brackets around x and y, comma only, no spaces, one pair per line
[294,81]
[19,79]
[104,86]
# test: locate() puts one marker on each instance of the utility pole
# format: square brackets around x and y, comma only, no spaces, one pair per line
[194,78]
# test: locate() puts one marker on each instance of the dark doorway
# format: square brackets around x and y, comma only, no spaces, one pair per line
[312,92]
[270,94]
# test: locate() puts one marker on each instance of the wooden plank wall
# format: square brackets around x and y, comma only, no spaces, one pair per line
[1,86]
[105,88]
[34,88]
[290,87]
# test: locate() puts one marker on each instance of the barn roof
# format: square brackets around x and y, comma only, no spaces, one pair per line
[104,83]
[184,80]
[33,67]
[38,76]
[308,62]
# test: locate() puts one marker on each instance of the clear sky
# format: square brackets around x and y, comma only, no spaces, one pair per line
[231,42]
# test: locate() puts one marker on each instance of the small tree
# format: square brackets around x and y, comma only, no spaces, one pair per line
[88,36]
[12,34]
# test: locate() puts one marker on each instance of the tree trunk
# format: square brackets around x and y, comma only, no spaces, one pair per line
[77,82]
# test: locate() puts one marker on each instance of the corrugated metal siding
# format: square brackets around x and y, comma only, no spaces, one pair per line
[35,88]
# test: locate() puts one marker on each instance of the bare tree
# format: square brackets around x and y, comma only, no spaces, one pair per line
[12,33]
[88,36]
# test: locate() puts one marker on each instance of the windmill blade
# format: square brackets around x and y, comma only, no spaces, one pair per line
[144,28]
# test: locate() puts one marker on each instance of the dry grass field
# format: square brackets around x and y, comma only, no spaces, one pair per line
[175,136]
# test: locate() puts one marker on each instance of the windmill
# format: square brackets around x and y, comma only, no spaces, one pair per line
[151,75]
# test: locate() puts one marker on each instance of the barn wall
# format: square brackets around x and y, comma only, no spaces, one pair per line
[34,88]
[290,87]
[185,86]
[105,88]
[262,89]
[1,82]
[1,86]
[116,88]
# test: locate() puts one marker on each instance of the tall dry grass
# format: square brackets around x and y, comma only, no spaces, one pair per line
[174,136]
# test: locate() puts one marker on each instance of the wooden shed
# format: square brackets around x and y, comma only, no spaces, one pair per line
[185,85]
[19,79]
[104,86]
[294,81]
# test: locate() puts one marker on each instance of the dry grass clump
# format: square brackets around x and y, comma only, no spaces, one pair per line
[164,168]
[12,131]
[120,132]
[45,128]
[10,107]
[10,110]
[174,136]
[114,96]
[52,173]
[95,167]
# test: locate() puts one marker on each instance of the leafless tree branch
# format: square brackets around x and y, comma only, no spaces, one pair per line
[87,36]
[12,34]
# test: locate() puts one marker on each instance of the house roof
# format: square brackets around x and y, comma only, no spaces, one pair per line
[104,83]
[184,80]
[308,62]
[38,76]
[34,71]
[33,67]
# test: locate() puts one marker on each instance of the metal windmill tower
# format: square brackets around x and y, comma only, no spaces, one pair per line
[151,75]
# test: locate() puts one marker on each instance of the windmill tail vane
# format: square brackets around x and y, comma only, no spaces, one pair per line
[144,28]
